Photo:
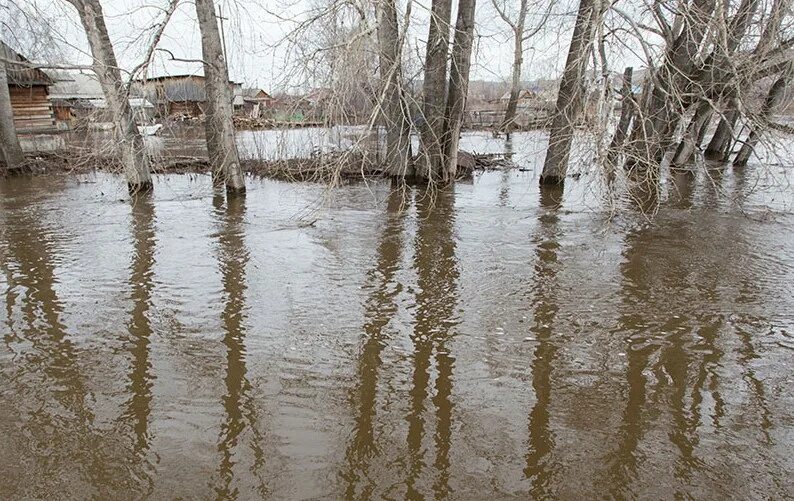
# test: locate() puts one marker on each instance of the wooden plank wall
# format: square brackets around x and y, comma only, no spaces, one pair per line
[32,108]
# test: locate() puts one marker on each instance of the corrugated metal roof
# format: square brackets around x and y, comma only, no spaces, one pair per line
[19,74]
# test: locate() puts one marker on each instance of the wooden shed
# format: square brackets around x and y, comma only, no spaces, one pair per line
[28,88]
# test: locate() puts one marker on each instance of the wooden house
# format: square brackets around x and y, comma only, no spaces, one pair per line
[252,102]
[29,92]
[74,96]
[77,100]
[175,94]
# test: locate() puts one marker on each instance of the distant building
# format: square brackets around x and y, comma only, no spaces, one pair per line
[77,97]
[29,92]
[177,94]
[252,102]
[524,96]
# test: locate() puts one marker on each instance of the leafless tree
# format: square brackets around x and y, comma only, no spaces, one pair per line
[722,140]
[221,147]
[569,98]
[434,90]
[517,25]
[130,143]
[458,88]
[395,107]
[773,99]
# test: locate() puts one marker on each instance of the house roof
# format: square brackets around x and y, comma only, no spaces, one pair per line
[254,93]
[140,102]
[523,94]
[22,75]
[135,102]
[178,76]
[76,85]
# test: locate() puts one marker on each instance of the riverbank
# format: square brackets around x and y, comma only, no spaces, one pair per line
[322,168]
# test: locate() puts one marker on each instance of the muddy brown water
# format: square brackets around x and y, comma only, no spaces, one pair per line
[483,343]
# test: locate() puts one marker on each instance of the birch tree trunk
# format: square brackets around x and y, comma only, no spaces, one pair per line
[128,140]
[395,108]
[458,85]
[9,142]
[434,90]
[776,94]
[219,127]
[569,98]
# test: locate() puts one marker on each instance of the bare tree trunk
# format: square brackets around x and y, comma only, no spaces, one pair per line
[569,98]
[627,109]
[776,94]
[667,102]
[694,134]
[219,126]
[9,142]
[515,85]
[721,142]
[518,60]
[458,85]
[395,108]
[717,74]
[128,139]
[434,90]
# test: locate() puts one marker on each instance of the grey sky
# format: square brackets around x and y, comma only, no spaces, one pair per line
[254,28]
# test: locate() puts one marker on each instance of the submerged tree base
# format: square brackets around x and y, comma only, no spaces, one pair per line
[552,180]
[137,188]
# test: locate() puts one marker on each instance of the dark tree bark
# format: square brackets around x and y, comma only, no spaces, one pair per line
[722,141]
[434,90]
[221,147]
[128,139]
[773,99]
[9,142]
[458,85]
[627,108]
[395,108]
[569,98]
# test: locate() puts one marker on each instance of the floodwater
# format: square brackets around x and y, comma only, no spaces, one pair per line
[364,343]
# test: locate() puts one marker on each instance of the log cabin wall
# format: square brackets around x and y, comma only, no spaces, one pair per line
[32,108]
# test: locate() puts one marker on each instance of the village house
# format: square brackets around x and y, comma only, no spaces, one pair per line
[182,94]
[77,100]
[526,97]
[29,92]
[252,102]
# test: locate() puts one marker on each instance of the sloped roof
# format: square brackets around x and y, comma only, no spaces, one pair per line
[76,85]
[140,102]
[522,94]
[20,74]
[253,93]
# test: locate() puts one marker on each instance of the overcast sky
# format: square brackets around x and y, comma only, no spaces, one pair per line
[254,34]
